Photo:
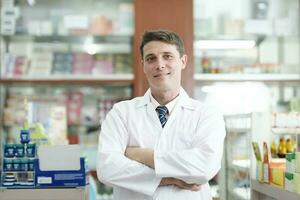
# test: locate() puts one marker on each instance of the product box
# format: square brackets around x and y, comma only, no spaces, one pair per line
[260,171]
[277,172]
[259,163]
[61,178]
[297,182]
[297,162]
[60,166]
[289,182]
[290,162]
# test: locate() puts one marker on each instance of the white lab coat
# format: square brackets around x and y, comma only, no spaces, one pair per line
[189,148]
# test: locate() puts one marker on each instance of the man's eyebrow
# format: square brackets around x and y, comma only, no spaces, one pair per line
[148,55]
[167,52]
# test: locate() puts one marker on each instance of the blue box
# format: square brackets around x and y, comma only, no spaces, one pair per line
[65,178]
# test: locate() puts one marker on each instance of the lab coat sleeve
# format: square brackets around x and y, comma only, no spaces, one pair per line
[202,161]
[113,167]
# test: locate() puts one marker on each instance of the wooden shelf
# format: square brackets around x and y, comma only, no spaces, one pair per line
[72,79]
[261,189]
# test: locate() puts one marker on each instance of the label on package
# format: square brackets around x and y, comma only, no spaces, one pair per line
[44,180]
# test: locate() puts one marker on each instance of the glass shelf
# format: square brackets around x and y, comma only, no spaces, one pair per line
[71,38]
[286,130]
[272,191]
[247,77]
[71,78]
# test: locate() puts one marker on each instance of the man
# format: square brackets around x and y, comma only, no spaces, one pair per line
[163,145]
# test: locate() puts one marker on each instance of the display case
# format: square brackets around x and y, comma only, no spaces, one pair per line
[67,54]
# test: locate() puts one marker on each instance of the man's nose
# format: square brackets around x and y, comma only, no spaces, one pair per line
[160,64]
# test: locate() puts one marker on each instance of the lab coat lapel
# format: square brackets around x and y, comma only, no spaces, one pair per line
[149,109]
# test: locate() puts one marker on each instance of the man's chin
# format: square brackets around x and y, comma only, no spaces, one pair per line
[164,88]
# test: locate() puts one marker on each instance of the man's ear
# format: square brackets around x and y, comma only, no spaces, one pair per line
[184,61]
[142,61]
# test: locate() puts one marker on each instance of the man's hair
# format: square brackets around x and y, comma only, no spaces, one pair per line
[166,36]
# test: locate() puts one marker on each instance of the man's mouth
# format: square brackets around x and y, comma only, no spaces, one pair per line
[160,75]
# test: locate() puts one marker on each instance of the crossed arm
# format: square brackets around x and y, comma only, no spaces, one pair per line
[146,157]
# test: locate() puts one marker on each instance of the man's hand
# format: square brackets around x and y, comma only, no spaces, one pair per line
[179,183]
[142,155]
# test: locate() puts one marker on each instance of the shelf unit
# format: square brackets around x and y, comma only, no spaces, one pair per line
[41,29]
[99,88]
[261,191]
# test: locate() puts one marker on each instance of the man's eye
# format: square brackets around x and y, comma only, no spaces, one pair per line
[149,59]
[168,57]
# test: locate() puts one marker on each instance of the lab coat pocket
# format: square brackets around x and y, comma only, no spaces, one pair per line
[182,140]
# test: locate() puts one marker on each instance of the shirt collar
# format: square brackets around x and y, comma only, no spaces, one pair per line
[183,99]
[169,105]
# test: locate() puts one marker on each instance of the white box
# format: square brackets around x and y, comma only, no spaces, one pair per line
[59,157]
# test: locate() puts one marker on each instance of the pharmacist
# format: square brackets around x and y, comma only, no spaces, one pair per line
[163,145]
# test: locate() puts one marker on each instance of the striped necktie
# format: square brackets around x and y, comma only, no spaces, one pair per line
[162,112]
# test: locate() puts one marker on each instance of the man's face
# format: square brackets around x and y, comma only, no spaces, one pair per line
[162,66]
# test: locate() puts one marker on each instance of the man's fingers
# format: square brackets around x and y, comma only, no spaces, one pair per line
[184,185]
[195,187]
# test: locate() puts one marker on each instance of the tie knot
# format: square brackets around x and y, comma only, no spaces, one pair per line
[162,110]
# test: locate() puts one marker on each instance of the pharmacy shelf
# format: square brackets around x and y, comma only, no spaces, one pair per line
[95,44]
[286,130]
[80,193]
[247,77]
[72,79]
[261,189]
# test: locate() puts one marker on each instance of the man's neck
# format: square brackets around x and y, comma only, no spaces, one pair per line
[164,97]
